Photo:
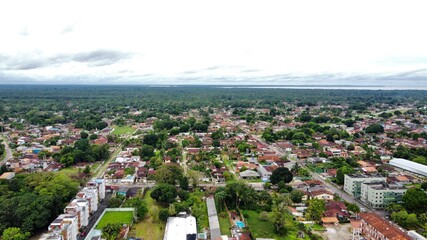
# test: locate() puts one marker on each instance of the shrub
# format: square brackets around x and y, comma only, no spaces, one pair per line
[263,216]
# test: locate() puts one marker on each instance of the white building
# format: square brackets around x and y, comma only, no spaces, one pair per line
[353,182]
[79,207]
[129,179]
[52,236]
[181,228]
[265,175]
[409,166]
[90,194]
[65,225]
[381,194]
[100,184]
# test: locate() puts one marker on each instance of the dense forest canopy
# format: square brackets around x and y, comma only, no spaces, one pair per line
[41,103]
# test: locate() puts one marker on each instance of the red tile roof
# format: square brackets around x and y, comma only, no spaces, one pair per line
[389,231]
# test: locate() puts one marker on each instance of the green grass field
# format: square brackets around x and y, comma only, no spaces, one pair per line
[123,130]
[224,223]
[316,227]
[70,171]
[264,229]
[114,217]
[150,227]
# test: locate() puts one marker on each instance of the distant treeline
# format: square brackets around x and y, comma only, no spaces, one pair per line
[39,102]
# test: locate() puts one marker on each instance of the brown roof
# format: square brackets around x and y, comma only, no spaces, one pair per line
[320,192]
[332,171]
[364,164]
[330,220]
[388,230]
[369,169]
[402,178]
[313,182]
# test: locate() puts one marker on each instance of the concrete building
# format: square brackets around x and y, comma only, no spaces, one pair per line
[90,194]
[182,227]
[373,227]
[381,194]
[65,225]
[353,182]
[100,184]
[52,236]
[249,174]
[265,175]
[79,207]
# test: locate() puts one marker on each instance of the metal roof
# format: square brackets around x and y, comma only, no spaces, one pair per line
[409,166]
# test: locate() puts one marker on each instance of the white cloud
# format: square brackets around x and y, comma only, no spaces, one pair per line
[208,41]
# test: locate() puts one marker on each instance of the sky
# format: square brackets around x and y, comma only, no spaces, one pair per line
[228,42]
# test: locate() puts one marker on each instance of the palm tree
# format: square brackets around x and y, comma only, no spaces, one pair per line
[220,196]
[264,197]
[111,231]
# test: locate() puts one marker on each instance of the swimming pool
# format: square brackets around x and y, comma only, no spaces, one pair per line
[240,224]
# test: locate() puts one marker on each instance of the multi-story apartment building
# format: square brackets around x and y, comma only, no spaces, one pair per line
[380,194]
[353,182]
[79,207]
[373,227]
[64,227]
[99,183]
[90,194]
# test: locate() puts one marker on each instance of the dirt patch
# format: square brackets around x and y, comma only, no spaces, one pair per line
[342,231]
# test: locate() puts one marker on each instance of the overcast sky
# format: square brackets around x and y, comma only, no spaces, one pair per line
[214,42]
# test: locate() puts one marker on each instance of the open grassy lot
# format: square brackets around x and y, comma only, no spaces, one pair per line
[150,227]
[123,130]
[224,223]
[316,227]
[70,171]
[115,217]
[74,171]
[264,229]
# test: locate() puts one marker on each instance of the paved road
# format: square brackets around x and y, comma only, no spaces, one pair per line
[104,165]
[153,184]
[8,150]
[94,217]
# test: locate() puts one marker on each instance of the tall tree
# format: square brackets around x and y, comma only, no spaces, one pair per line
[220,196]
[281,174]
[277,217]
[315,209]
[15,233]
[341,172]
[164,193]
[139,204]
[169,173]
[111,231]
[415,200]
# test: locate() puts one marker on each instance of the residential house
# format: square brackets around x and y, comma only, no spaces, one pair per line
[249,174]
[336,209]
[265,175]
[321,194]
